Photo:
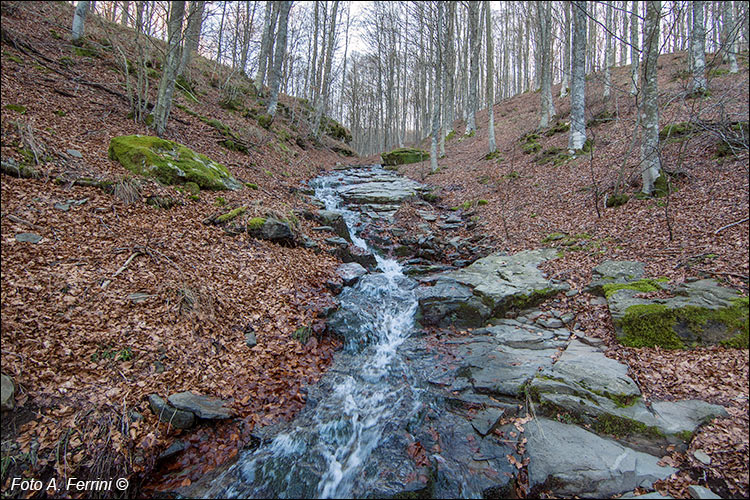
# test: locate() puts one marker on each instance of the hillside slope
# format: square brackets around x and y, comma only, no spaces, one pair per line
[120,299]
[533,194]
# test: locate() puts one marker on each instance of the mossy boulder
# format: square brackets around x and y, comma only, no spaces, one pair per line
[169,162]
[701,312]
[403,156]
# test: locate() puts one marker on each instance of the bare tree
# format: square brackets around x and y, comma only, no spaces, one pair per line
[564,86]
[278,56]
[171,61]
[473,83]
[490,85]
[260,75]
[609,52]
[544,17]
[437,64]
[577,137]
[79,20]
[697,44]
[634,53]
[321,104]
[650,158]
[192,34]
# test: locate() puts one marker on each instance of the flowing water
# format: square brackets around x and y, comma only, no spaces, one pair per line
[337,447]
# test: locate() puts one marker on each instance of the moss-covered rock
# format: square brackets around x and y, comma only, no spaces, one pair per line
[701,312]
[403,156]
[169,162]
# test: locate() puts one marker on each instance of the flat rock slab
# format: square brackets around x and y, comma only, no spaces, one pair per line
[448,302]
[573,461]
[203,406]
[179,419]
[28,238]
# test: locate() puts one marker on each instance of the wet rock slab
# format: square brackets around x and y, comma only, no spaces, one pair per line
[573,461]
[202,406]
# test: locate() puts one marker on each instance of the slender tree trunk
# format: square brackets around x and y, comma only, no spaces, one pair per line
[221,32]
[278,58]
[437,65]
[544,13]
[450,60]
[623,45]
[79,20]
[250,17]
[125,13]
[634,53]
[577,137]
[476,43]
[192,34]
[326,73]
[139,6]
[171,62]
[729,36]
[698,42]
[650,160]
[490,86]
[566,51]
[609,53]
[260,75]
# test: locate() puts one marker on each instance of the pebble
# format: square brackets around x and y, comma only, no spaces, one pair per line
[28,237]
[702,457]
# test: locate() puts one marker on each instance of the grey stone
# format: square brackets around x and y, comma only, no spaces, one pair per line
[7,393]
[179,419]
[177,446]
[139,297]
[203,406]
[250,339]
[449,302]
[614,271]
[350,272]
[336,221]
[320,229]
[62,206]
[28,238]
[337,241]
[648,496]
[572,461]
[567,318]
[74,153]
[277,231]
[549,322]
[354,253]
[696,491]
[702,457]
[387,191]
[485,421]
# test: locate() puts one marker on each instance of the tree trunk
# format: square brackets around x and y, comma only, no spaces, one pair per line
[260,75]
[728,37]
[566,51]
[171,61]
[698,42]
[650,160]
[125,13]
[476,43]
[634,53]
[544,13]
[320,106]
[577,137]
[192,34]
[221,32]
[490,86]
[79,20]
[278,57]
[437,65]
[623,45]
[609,53]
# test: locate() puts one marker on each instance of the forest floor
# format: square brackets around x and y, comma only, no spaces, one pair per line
[85,358]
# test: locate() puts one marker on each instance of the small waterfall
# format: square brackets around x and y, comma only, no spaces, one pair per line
[326,452]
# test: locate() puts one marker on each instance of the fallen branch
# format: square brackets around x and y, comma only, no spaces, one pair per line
[19,220]
[730,225]
[133,255]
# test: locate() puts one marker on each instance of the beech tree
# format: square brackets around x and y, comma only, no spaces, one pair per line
[490,74]
[171,61]
[698,51]
[475,43]
[566,50]
[609,54]
[544,17]
[278,56]
[437,63]
[577,137]
[650,155]
[634,53]
[79,20]
[192,34]
[325,84]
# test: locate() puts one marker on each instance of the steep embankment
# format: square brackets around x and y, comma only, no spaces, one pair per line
[533,194]
[110,299]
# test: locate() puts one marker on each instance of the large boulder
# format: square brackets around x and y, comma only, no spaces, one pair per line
[572,461]
[169,162]
[336,221]
[448,302]
[179,419]
[403,156]
[350,272]
[701,312]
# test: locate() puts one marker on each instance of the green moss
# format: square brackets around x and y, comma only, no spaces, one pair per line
[616,200]
[255,223]
[644,286]
[13,58]
[511,175]
[303,334]
[403,156]
[450,135]
[84,51]
[17,108]
[599,118]
[232,214]
[588,146]
[621,427]
[251,185]
[557,128]
[337,131]
[556,156]
[472,133]
[493,156]
[482,202]
[220,201]
[430,197]
[685,436]
[194,197]
[649,325]
[523,301]
[60,112]
[676,130]
[530,143]
[553,237]
[169,162]
[192,188]
[265,121]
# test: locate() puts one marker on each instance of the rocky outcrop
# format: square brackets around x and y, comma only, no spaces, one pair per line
[179,419]
[497,283]
[335,221]
[202,406]
[595,390]
[403,156]
[615,272]
[7,393]
[350,273]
